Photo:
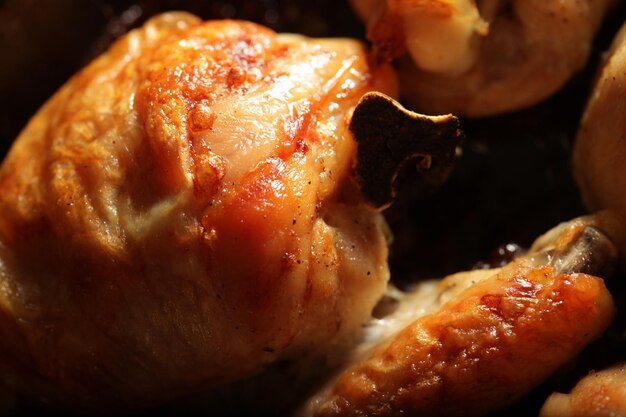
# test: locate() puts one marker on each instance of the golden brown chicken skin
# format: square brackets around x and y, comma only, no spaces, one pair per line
[599,394]
[478,341]
[180,214]
[482,57]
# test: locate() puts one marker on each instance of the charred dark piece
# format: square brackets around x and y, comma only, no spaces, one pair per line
[388,136]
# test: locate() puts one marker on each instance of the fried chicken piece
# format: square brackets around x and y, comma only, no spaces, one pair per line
[484,57]
[181,214]
[478,341]
[599,394]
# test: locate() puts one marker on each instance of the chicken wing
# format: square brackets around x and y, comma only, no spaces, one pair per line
[477,341]
[483,57]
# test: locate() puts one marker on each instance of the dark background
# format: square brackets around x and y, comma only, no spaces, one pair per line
[512,183]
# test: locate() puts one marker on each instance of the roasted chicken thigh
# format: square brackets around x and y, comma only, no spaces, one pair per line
[181,213]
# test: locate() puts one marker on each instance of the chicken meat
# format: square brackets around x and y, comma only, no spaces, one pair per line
[181,213]
[194,206]
[477,341]
[203,201]
[599,149]
[599,394]
[482,57]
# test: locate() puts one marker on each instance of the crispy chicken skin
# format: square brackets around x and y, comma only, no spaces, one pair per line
[599,394]
[480,340]
[484,57]
[180,214]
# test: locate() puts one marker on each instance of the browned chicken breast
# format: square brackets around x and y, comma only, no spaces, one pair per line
[482,57]
[599,394]
[477,341]
[181,214]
